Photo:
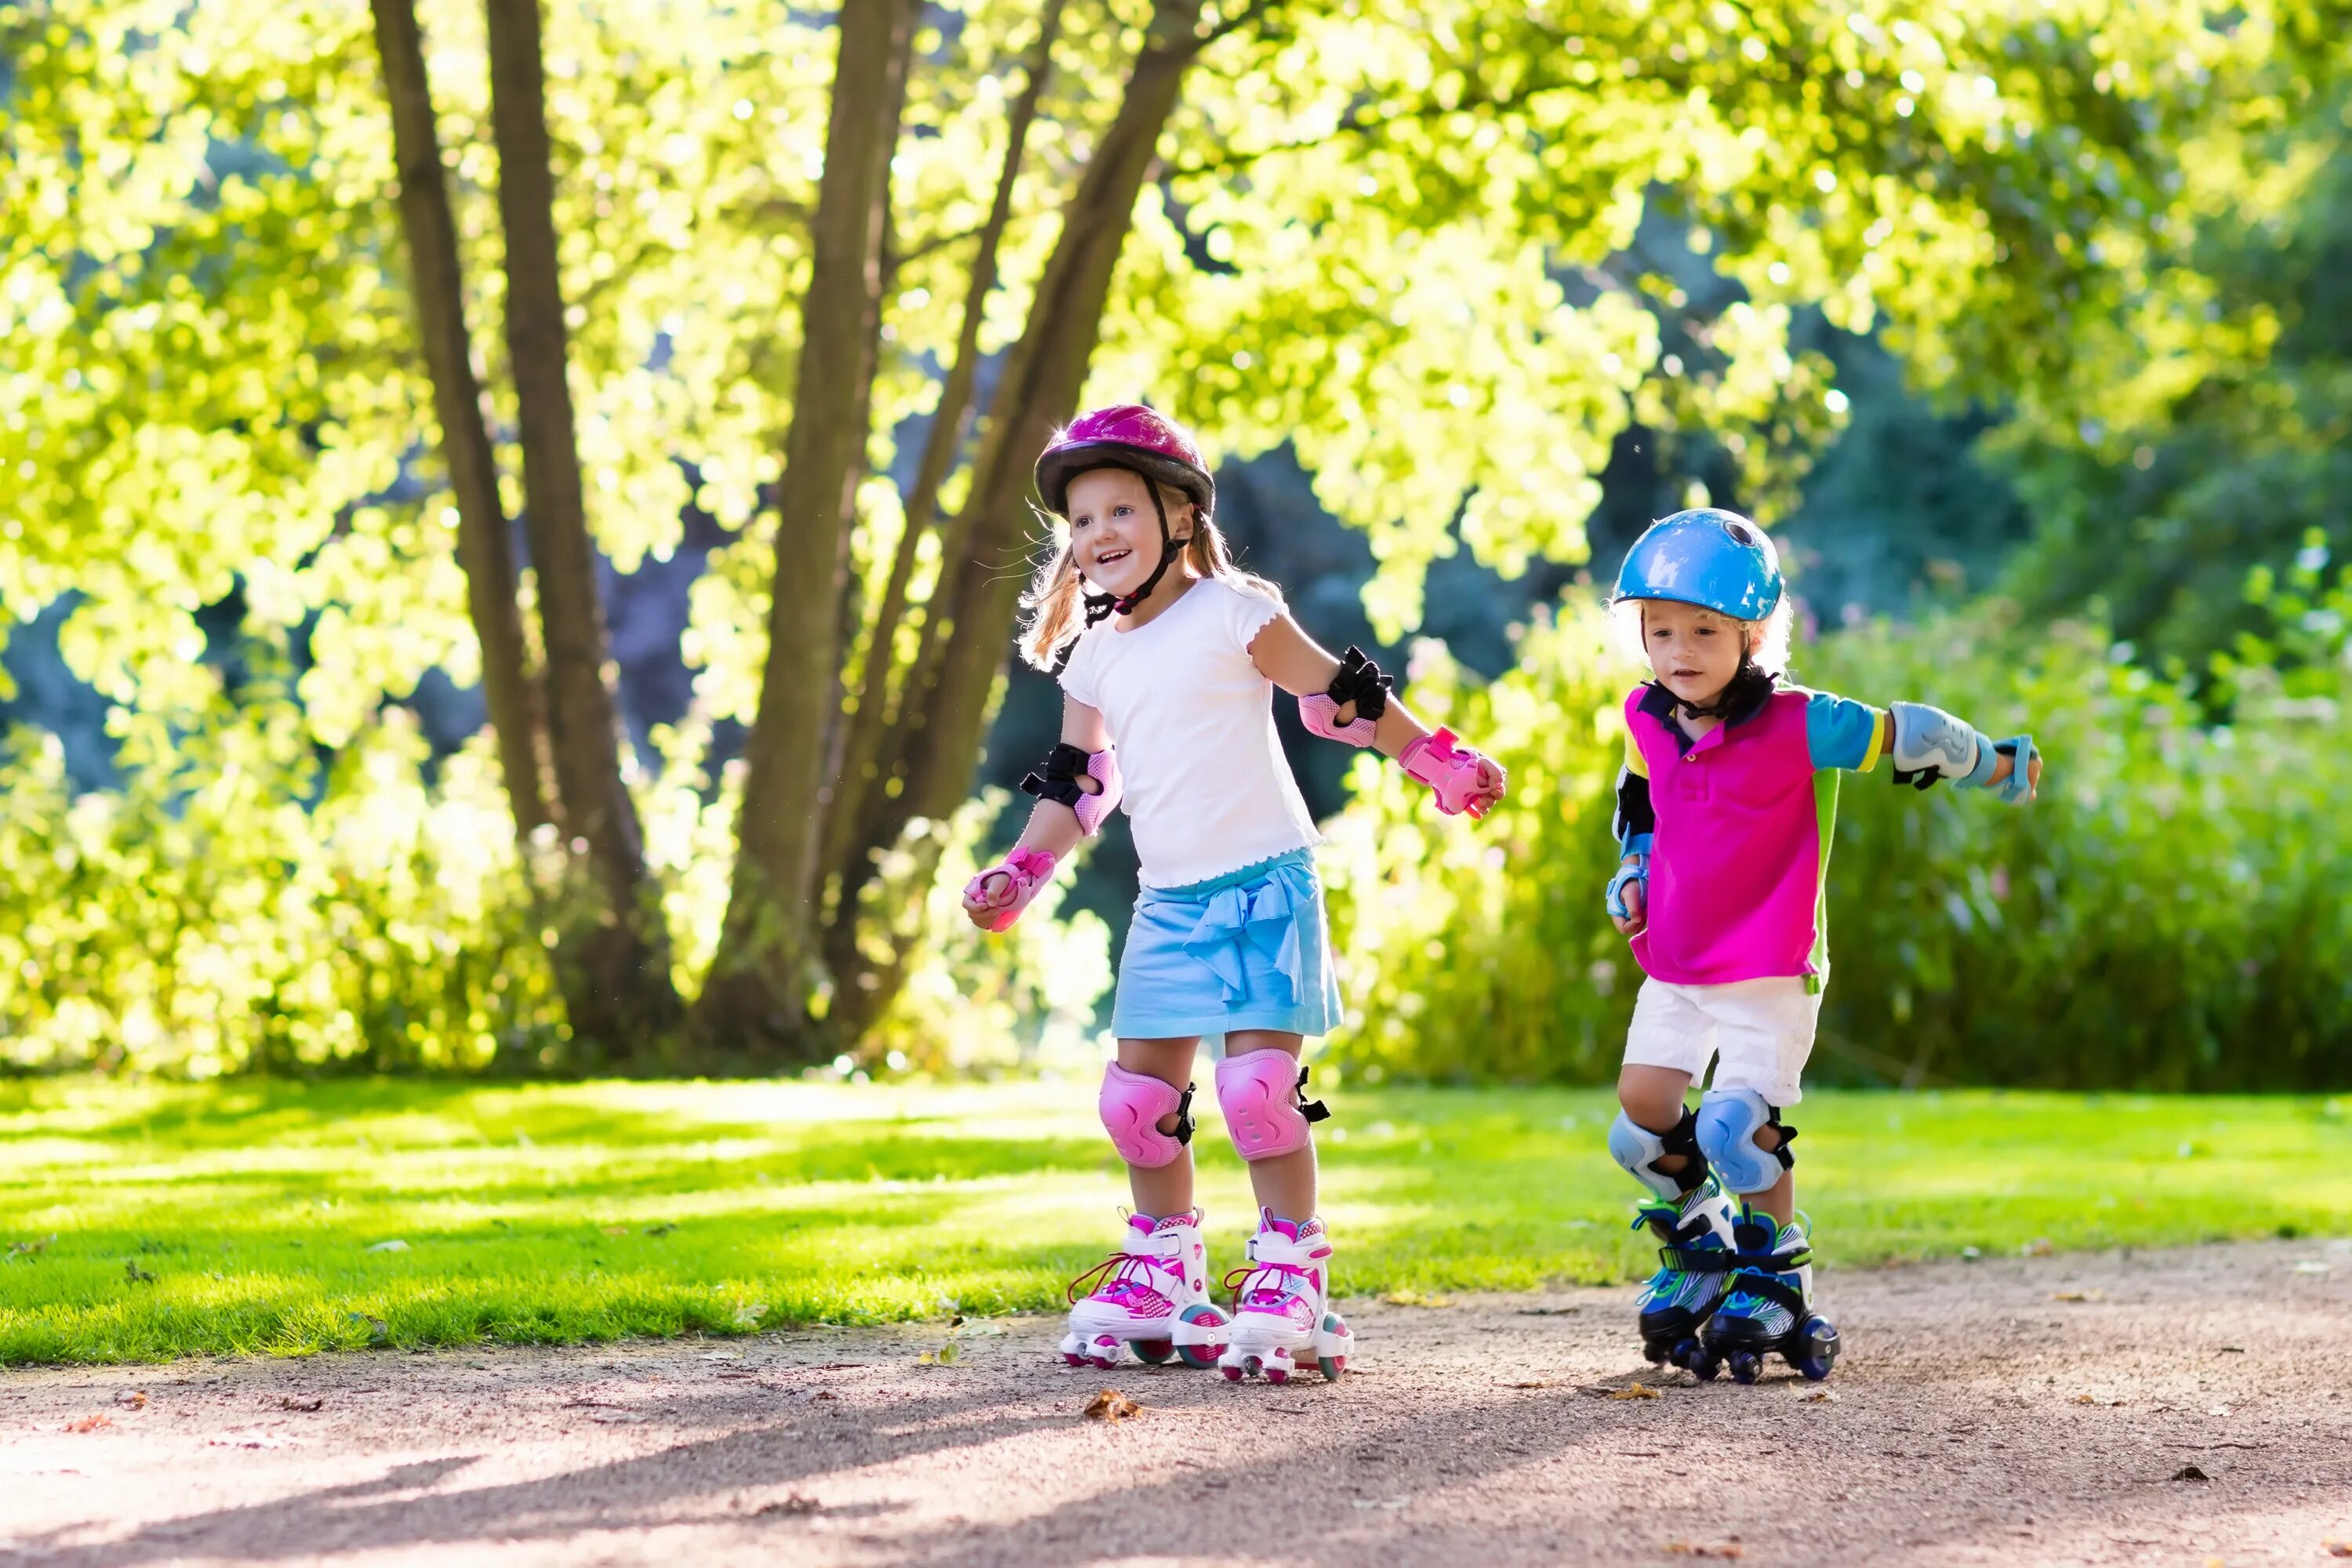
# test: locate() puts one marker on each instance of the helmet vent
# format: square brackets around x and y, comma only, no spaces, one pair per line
[1741,533]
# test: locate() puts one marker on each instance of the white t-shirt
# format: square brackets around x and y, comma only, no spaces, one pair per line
[1208,789]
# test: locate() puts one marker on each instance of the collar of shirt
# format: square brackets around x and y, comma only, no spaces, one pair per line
[1753,689]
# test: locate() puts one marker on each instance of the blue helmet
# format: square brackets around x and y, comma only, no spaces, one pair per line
[1717,560]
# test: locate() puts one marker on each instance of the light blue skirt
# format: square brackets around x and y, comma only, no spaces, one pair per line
[1250,950]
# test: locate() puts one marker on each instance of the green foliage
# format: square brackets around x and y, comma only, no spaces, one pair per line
[231,909]
[586,1212]
[2168,915]
[2157,507]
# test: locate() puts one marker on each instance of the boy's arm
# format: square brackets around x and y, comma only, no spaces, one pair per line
[1637,825]
[1924,744]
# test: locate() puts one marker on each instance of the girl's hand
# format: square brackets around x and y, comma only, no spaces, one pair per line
[994,899]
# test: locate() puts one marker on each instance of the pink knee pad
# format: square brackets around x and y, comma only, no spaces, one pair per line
[1264,1097]
[1132,1104]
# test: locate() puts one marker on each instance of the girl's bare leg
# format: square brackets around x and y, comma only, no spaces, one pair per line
[1285,1183]
[1166,1189]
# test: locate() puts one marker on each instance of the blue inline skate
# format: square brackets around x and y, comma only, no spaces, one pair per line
[1697,1256]
[1769,1307]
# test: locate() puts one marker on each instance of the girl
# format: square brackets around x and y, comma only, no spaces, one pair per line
[1174,666]
[1725,810]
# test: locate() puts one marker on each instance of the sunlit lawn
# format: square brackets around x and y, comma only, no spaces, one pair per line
[144,1222]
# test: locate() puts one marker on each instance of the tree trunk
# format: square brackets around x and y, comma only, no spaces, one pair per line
[943,717]
[858,783]
[755,1000]
[484,546]
[621,948]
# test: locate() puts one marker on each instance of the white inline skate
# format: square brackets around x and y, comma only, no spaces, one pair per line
[1281,1309]
[1151,1295]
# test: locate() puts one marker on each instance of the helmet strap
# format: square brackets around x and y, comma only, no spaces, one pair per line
[1736,691]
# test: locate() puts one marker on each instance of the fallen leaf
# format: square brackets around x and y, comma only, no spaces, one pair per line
[1633,1391]
[1704,1549]
[663,1229]
[795,1504]
[395,1245]
[1416,1299]
[1817,1396]
[1110,1404]
[2038,1247]
[91,1423]
[136,1275]
[132,1399]
[301,1402]
[824,1393]
[2091,1295]
[2337,1547]
[2191,1473]
[944,1356]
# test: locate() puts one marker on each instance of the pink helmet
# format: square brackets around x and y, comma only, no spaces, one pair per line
[1128,436]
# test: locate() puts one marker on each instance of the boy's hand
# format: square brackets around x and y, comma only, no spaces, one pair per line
[1629,895]
[2002,769]
[1637,911]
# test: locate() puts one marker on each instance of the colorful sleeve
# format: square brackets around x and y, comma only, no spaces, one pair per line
[1636,820]
[1842,733]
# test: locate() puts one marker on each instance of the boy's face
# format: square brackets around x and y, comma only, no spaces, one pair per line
[1114,531]
[1693,652]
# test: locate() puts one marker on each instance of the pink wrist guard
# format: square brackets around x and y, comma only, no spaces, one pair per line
[1025,872]
[1316,711]
[1450,771]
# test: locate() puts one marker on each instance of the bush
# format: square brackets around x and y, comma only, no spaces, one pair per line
[2166,917]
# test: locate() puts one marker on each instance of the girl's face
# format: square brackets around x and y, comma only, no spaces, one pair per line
[1115,532]
[1693,652]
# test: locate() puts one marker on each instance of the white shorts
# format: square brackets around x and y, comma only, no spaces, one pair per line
[1759,1032]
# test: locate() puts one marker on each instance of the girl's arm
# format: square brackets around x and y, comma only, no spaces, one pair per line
[994,899]
[1463,779]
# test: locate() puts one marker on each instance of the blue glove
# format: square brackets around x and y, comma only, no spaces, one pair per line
[1635,870]
[2019,749]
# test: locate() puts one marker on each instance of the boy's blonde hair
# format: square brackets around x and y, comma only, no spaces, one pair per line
[1055,599]
[1767,639]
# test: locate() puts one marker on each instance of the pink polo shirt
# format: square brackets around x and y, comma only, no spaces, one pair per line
[1745,816]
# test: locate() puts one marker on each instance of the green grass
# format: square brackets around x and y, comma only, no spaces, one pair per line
[239,1217]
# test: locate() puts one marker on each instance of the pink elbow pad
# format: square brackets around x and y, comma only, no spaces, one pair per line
[1450,771]
[1316,711]
[1025,870]
[1058,780]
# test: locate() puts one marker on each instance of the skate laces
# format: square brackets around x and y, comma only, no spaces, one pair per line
[1130,1273]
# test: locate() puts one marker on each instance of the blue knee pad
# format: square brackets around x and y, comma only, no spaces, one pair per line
[1638,1149]
[1728,1121]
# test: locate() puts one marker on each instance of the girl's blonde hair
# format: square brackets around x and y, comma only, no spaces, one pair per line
[1055,599]
[1767,639]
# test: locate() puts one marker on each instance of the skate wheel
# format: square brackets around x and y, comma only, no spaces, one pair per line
[1232,1373]
[1704,1367]
[1686,1354]
[1814,1369]
[1153,1352]
[1276,1374]
[1202,1357]
[1744,1365]
[1654,1355]
[1333,1365]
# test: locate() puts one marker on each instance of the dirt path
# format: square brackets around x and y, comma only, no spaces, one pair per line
[2040,1410]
